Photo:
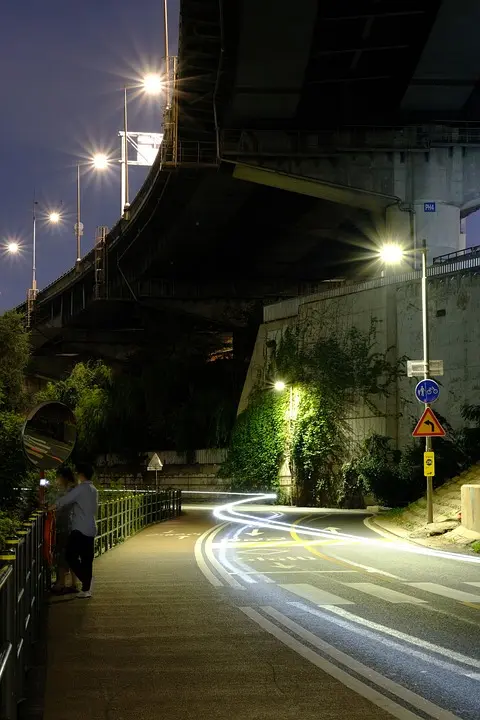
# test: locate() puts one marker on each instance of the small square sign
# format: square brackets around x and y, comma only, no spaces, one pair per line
[429,207]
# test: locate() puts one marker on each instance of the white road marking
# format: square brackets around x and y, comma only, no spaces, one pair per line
[475,584]
[295,572]
[383,593]
[447,592]
[366,567]
[315,595]
[245,570]
[431,647]
[203,567]
[378,639]
[361,688]
[217,565]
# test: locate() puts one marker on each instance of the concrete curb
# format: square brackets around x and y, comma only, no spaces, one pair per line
[390,535]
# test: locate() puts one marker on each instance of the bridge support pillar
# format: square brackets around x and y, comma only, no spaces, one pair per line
[435,185]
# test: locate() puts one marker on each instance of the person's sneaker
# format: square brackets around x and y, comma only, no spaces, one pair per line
[84,594]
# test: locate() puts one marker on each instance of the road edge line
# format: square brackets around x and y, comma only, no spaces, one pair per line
[349,681]
[200,559]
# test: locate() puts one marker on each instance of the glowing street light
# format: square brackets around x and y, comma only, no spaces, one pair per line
[153,84]
[13,248]
[54,218]
[391,254]
[100,161]
[279,386]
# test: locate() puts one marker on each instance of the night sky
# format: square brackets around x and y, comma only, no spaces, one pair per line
[63,69]
[64,66]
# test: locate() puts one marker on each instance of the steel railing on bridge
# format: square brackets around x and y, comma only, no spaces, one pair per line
[251,143]
[25,578]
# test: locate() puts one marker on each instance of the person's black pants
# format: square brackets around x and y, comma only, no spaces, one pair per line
[79,555]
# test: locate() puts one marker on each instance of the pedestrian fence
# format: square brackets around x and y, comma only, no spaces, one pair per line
[25,578]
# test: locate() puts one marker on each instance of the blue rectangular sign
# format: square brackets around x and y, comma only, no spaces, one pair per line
[429,207]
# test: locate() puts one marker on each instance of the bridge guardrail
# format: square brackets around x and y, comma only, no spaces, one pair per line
[25,579]
[257,143]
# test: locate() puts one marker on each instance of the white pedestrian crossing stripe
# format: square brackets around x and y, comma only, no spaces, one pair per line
[321,597]
[384,593]
[446,592]
[315,595]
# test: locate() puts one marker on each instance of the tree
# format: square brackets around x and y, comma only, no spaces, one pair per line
[14,357]
[86,392]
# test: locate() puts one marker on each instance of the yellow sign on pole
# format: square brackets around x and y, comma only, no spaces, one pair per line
[429,464]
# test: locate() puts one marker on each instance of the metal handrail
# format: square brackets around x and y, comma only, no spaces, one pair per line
[25,579]
[457,255]
[291,307]
[126,514]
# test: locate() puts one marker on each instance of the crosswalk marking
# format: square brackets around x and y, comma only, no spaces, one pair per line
[447,592]
[315,595]
[383,593]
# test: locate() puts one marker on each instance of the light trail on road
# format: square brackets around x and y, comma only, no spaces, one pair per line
[229,512]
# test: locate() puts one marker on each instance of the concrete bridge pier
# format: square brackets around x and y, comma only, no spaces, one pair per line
[441,187]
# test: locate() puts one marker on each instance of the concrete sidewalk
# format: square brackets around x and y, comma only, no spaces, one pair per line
[158,641]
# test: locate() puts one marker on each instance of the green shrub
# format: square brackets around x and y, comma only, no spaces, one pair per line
[257,446]
[8,525]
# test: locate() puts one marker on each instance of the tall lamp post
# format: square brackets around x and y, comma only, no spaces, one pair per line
[98,162]
[152,84]
[53,218]
[393,254]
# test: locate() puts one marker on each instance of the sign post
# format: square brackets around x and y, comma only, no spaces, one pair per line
[426,360]
[155,464]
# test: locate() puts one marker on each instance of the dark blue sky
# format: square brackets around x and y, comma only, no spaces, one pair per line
[63,66]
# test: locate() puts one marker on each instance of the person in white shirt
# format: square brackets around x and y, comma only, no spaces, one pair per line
[81,541]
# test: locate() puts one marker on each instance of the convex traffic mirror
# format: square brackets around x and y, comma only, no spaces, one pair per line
[49,435]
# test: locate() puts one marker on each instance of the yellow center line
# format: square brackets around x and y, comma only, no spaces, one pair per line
[284,543]
[475,606]
[308,546]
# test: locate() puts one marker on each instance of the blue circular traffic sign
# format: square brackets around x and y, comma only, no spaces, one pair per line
[427,391]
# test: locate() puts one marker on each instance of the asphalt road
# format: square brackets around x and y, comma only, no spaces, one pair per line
[404,627]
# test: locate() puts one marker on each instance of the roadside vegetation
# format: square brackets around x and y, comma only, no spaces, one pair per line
[330,380]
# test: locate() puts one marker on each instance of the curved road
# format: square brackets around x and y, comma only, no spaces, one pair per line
[400,628]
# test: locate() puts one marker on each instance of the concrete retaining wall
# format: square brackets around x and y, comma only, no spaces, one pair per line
[454,309]
[471,507]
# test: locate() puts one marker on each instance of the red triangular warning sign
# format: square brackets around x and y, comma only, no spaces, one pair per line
[428,425]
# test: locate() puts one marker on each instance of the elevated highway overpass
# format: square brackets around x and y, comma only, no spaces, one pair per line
[290,137]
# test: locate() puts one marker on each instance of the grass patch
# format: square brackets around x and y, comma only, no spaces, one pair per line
[476,546]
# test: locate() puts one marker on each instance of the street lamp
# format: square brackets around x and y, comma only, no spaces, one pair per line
[152,84]
[280,386]
[13,248]
[393,254]
[54,218]
[99,162]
